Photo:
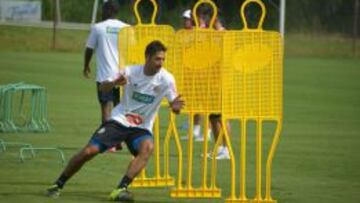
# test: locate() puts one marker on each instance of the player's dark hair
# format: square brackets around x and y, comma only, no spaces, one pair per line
[110,8]
[153,47]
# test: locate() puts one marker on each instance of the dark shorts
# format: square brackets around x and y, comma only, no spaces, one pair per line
[111,134]
[111,96]
[215,116]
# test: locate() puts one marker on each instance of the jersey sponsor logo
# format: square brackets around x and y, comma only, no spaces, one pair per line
[134,119]
[143,98]
[112,30]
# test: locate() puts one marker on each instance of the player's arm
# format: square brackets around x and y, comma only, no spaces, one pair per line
[91,45]
[107,86]
[87,58]
[175,101]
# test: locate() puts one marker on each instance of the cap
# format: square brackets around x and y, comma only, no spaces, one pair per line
[187,14]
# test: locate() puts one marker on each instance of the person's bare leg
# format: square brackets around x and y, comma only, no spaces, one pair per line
[216,127]
[74,165]
[140,161]
[135,166]
[223,152]
[79,159]
[197,119]
[106,111]
[197,126]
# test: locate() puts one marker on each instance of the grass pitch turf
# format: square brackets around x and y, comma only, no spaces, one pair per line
[317,159]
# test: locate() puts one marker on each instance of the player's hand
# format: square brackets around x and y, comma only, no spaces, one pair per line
[107,86]
[177,104]
[86,71]
[121,80]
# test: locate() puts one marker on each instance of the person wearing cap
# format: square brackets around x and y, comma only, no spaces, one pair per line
[204,16]
[189,24]
[188,21]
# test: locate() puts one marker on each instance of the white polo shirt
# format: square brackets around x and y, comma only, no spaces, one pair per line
[104,39]
[142,97]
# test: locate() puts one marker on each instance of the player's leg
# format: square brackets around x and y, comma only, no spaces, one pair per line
[197,126]
[106,108]
[74,165]
[141,159]
[198,136]
[103,139]
[215,120]
[115,101]
[106,101]
[116,95]
[142,148]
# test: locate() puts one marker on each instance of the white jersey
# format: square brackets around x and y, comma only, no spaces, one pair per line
[104,39]
[142,97]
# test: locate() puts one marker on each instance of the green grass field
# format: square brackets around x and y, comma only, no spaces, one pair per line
[317,159]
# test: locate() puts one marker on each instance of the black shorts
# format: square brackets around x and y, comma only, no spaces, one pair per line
[112,133]
[215,116]
[111,96]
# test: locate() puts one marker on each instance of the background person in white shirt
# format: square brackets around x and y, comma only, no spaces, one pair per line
[131,121]
[204,15]
[189,24]
[103,39]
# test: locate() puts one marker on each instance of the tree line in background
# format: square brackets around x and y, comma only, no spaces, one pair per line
[305,16]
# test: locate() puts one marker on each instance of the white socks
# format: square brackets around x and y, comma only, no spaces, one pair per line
[197,130]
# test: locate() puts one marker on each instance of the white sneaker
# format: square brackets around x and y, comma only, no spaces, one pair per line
[223,153]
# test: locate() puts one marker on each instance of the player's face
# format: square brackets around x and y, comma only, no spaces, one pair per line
[188,23]
[156,61]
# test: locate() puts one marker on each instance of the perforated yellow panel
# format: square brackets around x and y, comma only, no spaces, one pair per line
[197,69]
[132,44]
[252,74]
[133,41]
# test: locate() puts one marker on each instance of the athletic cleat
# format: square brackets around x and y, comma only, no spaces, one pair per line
[222,155]
[121,194]
[53,191]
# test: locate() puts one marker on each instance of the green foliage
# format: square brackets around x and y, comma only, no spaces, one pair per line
[71,11]
[320,16]
[334,16]
[40,40]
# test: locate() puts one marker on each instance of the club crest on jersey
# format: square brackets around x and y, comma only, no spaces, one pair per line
[143,98]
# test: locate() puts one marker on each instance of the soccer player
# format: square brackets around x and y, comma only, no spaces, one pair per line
[131,120]
[103,39]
